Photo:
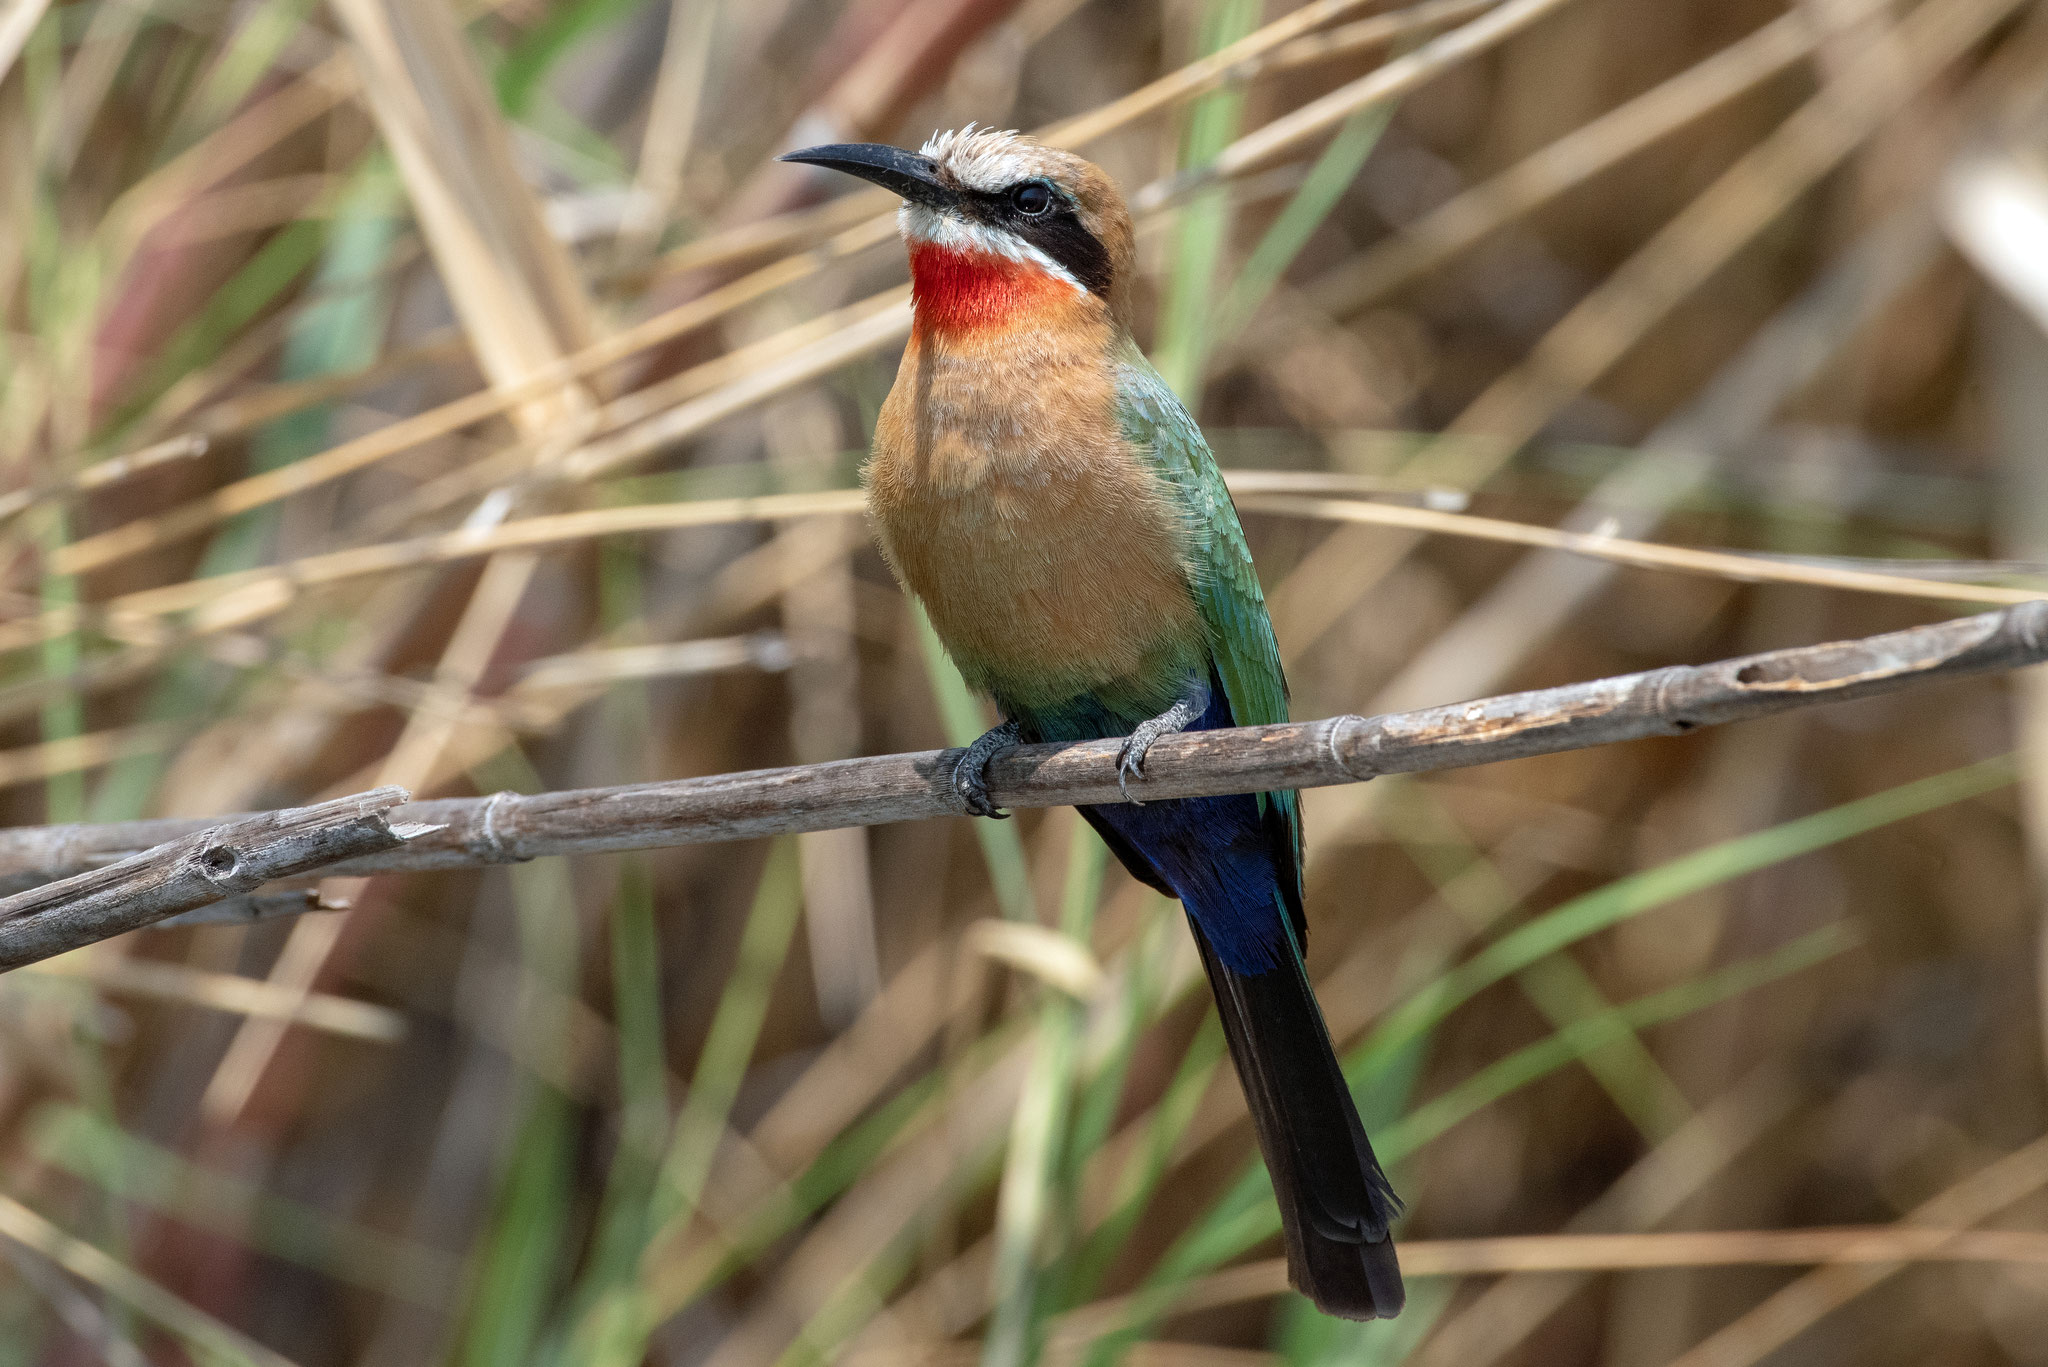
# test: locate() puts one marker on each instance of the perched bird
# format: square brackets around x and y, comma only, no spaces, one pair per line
[1039,488]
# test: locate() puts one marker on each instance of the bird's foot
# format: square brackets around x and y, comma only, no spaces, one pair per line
[1130,760]
[970,775]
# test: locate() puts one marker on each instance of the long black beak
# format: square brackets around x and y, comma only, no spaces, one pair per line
[914,177]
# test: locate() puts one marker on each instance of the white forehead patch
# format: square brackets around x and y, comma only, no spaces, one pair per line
[982,158]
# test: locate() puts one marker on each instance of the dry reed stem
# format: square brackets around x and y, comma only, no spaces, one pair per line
[103,473]
[865,229]
[229,601]
[508,827]
[231,993]
[671,124]
[1642,554]
[511,282]
[1397,78]
[249,207]
[16,24]
[1667,269]
[1462,222]
[521,302]
[1198,77]
[1379,30]
[70,754]
[1891,1247]
[267,403]
[1864,1263]
[131,1288]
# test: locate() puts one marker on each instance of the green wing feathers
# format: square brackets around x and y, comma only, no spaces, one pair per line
[1226,585]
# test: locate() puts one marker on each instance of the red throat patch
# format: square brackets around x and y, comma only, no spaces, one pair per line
[965,291]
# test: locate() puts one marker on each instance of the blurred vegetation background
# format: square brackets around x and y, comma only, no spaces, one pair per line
[455,394]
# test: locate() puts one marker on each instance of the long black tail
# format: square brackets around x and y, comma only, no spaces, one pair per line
[1335,1202]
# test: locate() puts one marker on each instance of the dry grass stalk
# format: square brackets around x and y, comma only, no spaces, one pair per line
[524,310]
[1895,1246]
[226,602]
[16,24]
[1741,203]
[1643,554]
[69,755]
[1462,222]
[231,993]
[510,281]
[1404,74]
[96,1268]
[1866,1263]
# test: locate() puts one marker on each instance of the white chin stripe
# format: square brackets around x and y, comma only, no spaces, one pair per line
[922,224]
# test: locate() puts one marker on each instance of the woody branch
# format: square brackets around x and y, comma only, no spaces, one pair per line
[506,827]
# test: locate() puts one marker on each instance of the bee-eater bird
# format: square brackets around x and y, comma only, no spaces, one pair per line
[1039,488]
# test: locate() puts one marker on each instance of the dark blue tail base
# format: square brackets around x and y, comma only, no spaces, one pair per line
[1233,863]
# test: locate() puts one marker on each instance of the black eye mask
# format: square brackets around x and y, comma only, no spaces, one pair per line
[1057,232]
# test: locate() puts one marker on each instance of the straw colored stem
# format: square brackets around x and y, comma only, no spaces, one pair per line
[234,994]
[131,1288]
[1463,222]
[1397,78]
[1489,1257]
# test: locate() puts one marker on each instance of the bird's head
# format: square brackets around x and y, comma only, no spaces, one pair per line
[998,224]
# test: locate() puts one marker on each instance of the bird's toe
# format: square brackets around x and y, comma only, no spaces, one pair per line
[970,782]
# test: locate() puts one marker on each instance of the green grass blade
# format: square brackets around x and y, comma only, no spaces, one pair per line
[1305,211]
[1582,1037]
[72,1139]
[1202,226]
[1026,1202]
[523,1259]
[615,1329]
[1653,888]
[961,714]
[1141,1177]
[1559,988]
[1242,1219]
[562,28]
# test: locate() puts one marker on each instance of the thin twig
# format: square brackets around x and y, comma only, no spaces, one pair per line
[208,865]
[508,827]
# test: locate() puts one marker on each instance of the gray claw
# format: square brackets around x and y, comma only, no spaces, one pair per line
[973,789]
[1130,760]
[970,775]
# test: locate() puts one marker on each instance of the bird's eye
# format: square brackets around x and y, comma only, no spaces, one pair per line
[1033,197]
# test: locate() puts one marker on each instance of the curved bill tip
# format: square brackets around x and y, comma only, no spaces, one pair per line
[914,177]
